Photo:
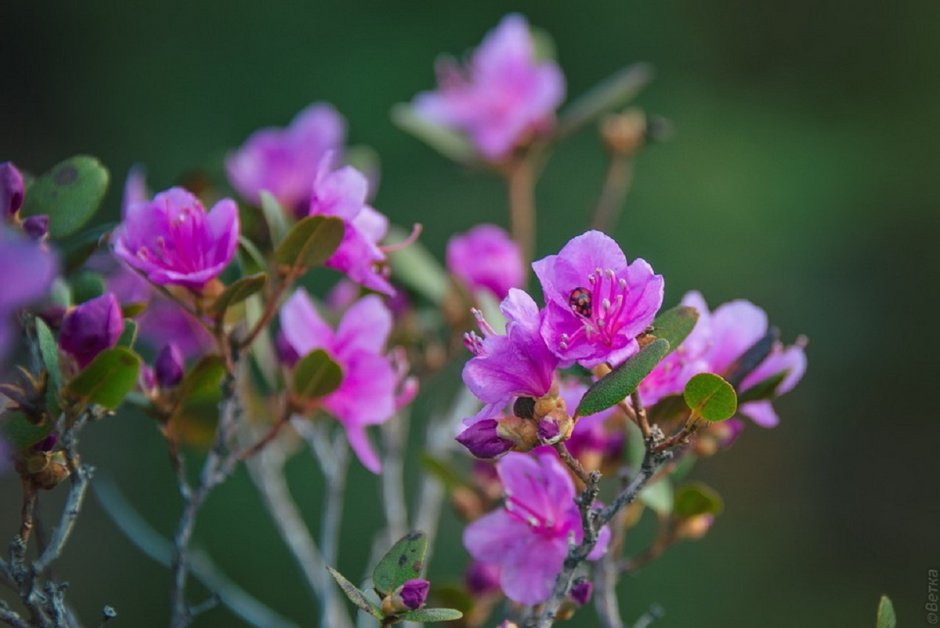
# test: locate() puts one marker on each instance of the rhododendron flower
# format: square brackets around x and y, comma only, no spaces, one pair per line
[734,328]
[502,95]
[173,240]
[371,382]
[285,161]
[342,193]
[528,537]
[513,364]
[687,360]
[596,303]
[486,258]
[90,328]
[30,269]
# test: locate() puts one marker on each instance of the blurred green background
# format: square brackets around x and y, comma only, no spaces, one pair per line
[803,176]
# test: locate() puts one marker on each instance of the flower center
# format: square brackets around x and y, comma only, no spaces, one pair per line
[600,307]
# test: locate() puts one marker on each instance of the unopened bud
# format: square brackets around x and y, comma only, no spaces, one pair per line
[520,432]
[408,597]
[168,367]
[92,327]
[11,189]
[285,351]
[624,133]
[36,227]
[581,591]
[482,439]
[694,528]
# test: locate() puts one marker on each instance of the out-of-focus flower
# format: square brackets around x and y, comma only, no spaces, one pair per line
[342,193]
[90,328]
[168,367]
[788,361]
[173,240]
[481,579]
[486,258]
[581,591]
[689,359]
[30,269]
[284,161]
[502,96]
[596,303]
[36,227]
[528,537]
[513,364]
[370,386]
[11,189]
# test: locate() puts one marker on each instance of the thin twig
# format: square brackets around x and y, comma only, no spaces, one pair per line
[160,550]
[11,618]
[395,437]
[521,179]
[616,187]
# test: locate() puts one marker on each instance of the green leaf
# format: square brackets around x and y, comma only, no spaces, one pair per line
[238,292]
[405,561]
[109,377]
[316,375]
[129,335]
[764,389]
[418,269]
[696,499]
[752,358]
[133,310]
[886,616]
[49,350]
[69,194]
[86,286]
[197,412]
[614,387]
[355,595]
[275,217]
[17,430]
[675,325]
[449,143]
[710,397]
[431,615]
[249,257]
[311,241]
[442,470]
[79,247]
[658,496]
[612,93]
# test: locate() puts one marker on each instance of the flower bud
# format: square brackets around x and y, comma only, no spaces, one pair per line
[481,579]
[482,439]
[48,443]
[694,528]
[624,133]
[548,430]
[581,591]
[11,189]
[486,258]
[36,227]
[168,367]
[521,433]
[92,327]
[285,351]
[408,597]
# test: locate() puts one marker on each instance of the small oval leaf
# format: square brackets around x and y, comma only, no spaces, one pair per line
[710,397]
[617,385]
[675,325]
[129,335]
[311,242]
[316,375]
[106,381]
[886,616]
[405,561]
[658,496]
[448,143]
[238,291]
[355,595]
[196,414]
[69,194]
[427,615]
[17,430]
[275,217]
[696,499]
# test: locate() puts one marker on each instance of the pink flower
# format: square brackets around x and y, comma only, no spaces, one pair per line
[597,304]
[509,365]
[791,361]
[30,269]
[284,161]
[172,240]
[528,537]
[689,359]
[342,193]
[502,95]
[371,381]
[485,257]
[90,328]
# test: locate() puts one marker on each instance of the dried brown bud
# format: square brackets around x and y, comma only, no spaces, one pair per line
[624,133]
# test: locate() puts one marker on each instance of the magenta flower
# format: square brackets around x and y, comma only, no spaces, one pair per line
[528,537]
[597,304]
[342,193]
[486,258]
[169,366]
[90,328]
[513,364]
[11,189]
[482,440]
[503,95]
[285,161]
[689,359]
[791,361]
[371,381]
[30,269]
[414,593]
[173,240]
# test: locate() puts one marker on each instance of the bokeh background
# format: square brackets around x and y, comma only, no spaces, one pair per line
[802,175]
